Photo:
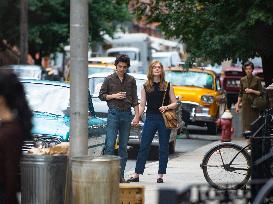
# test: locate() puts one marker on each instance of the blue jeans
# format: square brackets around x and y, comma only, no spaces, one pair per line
[154,122]
[118,122]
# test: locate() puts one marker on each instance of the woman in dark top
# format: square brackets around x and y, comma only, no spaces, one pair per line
[250,88]
[15,126]
[152,93]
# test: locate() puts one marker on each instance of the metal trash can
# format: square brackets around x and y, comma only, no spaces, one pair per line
[95,180]
[43,179]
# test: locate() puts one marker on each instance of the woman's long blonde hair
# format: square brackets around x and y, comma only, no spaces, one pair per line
[150,76]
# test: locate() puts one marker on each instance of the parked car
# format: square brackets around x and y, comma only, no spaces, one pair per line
[230,81]
[95,82]
[25,71]
[50,104]
[201,95]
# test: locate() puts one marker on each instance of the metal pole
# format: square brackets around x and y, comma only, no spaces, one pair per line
[79,85]
[79,77]
[23,31]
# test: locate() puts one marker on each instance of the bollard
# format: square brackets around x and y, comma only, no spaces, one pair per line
[43,179]
[95,180]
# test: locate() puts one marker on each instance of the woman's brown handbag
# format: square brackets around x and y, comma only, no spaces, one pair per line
[169,116]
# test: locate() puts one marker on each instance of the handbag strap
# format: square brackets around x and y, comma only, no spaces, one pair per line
[165,94]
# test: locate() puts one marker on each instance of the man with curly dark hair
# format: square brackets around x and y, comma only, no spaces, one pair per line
[119,90]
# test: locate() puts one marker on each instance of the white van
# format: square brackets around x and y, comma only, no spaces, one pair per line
[136,44]
[167,59]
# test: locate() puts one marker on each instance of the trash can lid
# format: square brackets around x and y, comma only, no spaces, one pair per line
[43,158]
[106,158]
[95,159]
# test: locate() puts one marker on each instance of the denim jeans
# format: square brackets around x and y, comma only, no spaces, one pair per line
[118,123]
[154,122]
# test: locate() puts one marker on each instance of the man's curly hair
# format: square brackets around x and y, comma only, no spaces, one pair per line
[123,58]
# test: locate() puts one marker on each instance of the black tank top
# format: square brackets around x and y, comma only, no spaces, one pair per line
[155,97]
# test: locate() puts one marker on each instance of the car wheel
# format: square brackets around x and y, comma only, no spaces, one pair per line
[172,147]
[212,128]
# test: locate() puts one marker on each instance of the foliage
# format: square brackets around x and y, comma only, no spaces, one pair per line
[215,29]
[48,25]
[9,16]
[106,16]
[49,22]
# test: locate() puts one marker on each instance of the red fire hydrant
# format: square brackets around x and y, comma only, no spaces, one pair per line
[225,124]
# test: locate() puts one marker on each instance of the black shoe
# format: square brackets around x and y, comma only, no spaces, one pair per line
[159,180]
[122,180]
[132,179]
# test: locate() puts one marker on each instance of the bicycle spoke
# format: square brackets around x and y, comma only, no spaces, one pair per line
[214,166]
[239,169]
[221,156]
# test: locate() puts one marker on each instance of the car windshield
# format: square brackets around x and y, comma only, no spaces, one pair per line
[93,70]
[27,72]
[96,82]
[198,79]
[132,55]
[47,98]
[165,61]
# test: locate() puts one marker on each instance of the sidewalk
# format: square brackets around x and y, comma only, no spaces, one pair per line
[181,172]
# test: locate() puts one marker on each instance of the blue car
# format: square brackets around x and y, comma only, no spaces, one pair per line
[49,101]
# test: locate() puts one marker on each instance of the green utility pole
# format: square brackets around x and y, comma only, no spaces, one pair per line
[23,31]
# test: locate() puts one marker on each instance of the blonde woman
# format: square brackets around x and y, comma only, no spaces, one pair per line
[152,95]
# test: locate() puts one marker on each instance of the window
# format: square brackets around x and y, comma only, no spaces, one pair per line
[198,79]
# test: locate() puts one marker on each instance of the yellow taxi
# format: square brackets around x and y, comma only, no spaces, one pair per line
[101,65]
[201,95]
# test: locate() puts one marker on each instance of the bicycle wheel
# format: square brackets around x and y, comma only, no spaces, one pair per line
[225,166]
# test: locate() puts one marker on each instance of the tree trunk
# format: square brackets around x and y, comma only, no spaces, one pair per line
[23,31]
[268,69]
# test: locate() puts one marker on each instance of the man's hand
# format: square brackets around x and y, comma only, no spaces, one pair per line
[119,95]
[135,121]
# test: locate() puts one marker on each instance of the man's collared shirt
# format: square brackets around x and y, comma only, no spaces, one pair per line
[112,85]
